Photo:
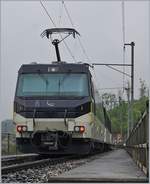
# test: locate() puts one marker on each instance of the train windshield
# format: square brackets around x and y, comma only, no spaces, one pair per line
[64,84]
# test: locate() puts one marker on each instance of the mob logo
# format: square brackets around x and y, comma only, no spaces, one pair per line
[50,104]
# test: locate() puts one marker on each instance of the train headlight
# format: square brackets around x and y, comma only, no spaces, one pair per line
[21,128]
[76,129]
[24,128]
[53,69]
[79,129]
[82,129]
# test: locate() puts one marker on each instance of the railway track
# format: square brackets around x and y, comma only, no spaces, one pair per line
[16,159]
[40,171]
[39,162]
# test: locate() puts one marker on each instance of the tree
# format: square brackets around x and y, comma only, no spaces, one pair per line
[109,100]
[143,88]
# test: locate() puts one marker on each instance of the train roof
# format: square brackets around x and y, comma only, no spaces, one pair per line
[54,67]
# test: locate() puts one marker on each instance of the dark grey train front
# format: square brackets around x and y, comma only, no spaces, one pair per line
[56,110]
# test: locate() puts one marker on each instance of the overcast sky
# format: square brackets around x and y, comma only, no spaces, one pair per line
[100,26]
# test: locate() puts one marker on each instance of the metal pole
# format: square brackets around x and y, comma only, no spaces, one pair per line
[132,44]
[132,82]
[55,43]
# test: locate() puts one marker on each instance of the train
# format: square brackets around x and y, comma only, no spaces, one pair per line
[57,110]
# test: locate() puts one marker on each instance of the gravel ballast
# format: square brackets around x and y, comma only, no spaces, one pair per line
[41,174]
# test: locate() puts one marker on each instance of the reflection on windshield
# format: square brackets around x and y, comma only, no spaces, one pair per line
[44,78]
[66,84]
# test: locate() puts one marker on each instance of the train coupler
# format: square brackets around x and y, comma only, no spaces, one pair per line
[50,139]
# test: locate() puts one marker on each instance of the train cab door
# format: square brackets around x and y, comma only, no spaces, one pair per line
[93,99]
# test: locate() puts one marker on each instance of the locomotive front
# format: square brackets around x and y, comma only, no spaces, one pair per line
[52,108]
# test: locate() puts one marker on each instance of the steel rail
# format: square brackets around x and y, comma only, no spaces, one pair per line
[15,159]
[15,167]
[11,157]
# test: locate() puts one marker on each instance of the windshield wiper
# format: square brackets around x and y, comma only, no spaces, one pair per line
[63,79]
[44,78]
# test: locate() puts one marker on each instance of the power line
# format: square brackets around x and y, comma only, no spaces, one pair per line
[83,49]
[123,38]
[60,15]
[71,21]
[47,13]
[107,77]
[118,70]
[59,33]
[65,7]
[123,21]
[113,64]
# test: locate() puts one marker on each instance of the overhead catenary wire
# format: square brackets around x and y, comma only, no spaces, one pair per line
[104,76]
[72,24]
[59,33]
[67,12]
[47,13]
[119,71]
[83,49]
[123,21]
[123,39]
[60,15]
